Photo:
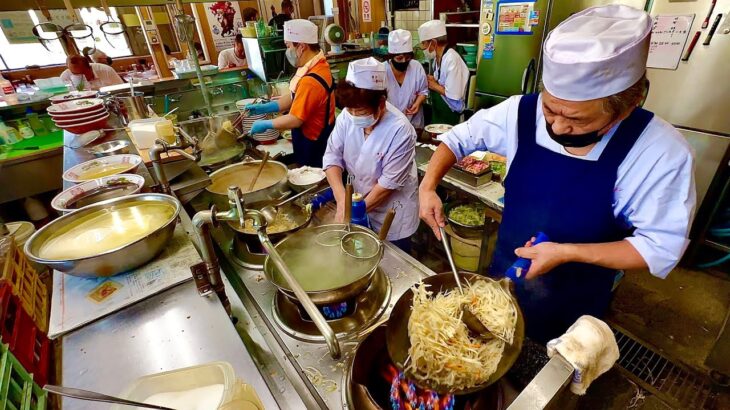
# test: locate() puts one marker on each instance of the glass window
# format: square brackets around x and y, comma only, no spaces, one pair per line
[14,56]
[113,45]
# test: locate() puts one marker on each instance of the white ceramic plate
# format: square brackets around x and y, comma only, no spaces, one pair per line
[438,129]
[80,121]
[61,200]
[75,106]
[73,95]
[101,167]
[74,116]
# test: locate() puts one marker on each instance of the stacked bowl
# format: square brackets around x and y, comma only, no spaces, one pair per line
[79,116]
[266,137]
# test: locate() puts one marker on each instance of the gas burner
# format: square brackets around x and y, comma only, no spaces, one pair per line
[248,252]
[373,382]
[345,318]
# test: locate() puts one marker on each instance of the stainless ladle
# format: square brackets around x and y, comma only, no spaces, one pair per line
[270,211]
[471,321]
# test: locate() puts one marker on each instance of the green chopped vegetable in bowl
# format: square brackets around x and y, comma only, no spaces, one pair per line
[468,214]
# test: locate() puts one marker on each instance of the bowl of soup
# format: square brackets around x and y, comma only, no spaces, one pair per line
[102,167]
[108,237]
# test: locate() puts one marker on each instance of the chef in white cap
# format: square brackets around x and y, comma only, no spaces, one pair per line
[311,104]
[450,74]
[406,78]
[609,183]
[374,142]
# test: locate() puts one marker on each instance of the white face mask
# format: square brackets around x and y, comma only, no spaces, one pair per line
[291,56]
[430,55]
[363,121]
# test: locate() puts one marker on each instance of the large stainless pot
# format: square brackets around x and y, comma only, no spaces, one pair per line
[240,175]
[114,261]
[325,296]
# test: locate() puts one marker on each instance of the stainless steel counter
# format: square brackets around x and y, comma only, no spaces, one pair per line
[173,329]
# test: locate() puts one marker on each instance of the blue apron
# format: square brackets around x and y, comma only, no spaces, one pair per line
[306,151]
[570,200]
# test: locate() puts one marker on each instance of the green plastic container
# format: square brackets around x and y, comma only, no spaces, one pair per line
[469,48]
[17,389]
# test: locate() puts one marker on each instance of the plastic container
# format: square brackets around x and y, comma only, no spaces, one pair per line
[25,130]
[234,390]
[26,283]
[9,134]
[144,132]
[359,213]
[6,86]
[35,122]
[466,251]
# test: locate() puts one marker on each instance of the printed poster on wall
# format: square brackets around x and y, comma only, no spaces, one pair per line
[17,27]
[224,20]
[367,11]
[515,17]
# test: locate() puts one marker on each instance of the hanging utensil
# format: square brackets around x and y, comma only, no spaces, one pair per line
[110,27]
[270,211]
[258,173]
[94,396]
[52,31]
[77,30]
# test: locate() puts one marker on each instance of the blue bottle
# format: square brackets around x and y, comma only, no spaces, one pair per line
[359,211]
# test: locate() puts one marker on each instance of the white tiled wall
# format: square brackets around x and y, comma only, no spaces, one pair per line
[411,19]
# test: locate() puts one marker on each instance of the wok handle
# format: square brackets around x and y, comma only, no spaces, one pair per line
[348,203]
[309,307]
[387,222]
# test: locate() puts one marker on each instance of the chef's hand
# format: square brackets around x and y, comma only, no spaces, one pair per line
[260,126]
[431,211]
[265,108]
[545,257]
[413,109]
[434,85]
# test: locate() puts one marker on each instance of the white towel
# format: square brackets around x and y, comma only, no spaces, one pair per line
[590,346]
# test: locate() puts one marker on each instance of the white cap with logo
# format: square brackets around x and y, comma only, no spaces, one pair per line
[301,31]
[367,73]
[399,41]
[596,53]
[431,29]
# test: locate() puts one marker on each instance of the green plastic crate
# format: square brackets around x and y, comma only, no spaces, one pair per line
[17,389]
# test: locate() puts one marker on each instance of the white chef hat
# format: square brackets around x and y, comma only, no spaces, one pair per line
[300,31]
[367,73]
[596,53]
[431,29]
[399,41]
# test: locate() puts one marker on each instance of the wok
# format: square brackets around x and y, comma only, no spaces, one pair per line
[399,342]
[325,296]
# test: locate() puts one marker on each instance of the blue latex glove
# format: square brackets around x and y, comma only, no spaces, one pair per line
[265,108]
[261,126]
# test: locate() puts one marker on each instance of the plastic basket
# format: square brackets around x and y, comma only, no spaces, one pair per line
[29,345]
[27,285]
[17,389]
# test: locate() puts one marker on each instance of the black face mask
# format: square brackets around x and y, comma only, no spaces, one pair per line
[400,66]
[573,140]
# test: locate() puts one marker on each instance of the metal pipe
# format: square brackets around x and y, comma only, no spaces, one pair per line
[316,316]
[161,146]
[155,157]
[202,221]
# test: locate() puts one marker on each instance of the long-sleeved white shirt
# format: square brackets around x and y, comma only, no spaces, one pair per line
[104,75]
[655,187]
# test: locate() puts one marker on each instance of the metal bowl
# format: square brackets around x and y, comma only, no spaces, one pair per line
[110,148]
[465,231]
[114,261]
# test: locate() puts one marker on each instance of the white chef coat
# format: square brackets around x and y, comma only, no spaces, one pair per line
[655,187]
[453,74]
[228,57]
[402,96]
[104,75]
[387,157]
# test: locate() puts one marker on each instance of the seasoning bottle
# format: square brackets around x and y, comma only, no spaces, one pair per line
[359,211]
[25,130]
[9,134]
[35,122]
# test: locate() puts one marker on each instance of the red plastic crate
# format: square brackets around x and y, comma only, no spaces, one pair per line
[27,343]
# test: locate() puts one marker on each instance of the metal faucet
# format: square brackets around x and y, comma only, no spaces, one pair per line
[185,141]
[209,278]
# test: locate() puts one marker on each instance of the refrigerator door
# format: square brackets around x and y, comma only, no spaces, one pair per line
[503,75]
[695,95]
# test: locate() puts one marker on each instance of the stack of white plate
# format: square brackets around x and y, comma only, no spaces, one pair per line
[249,120]
[266,137]
[79,116]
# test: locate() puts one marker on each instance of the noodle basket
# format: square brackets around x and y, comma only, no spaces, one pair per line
[398,339]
